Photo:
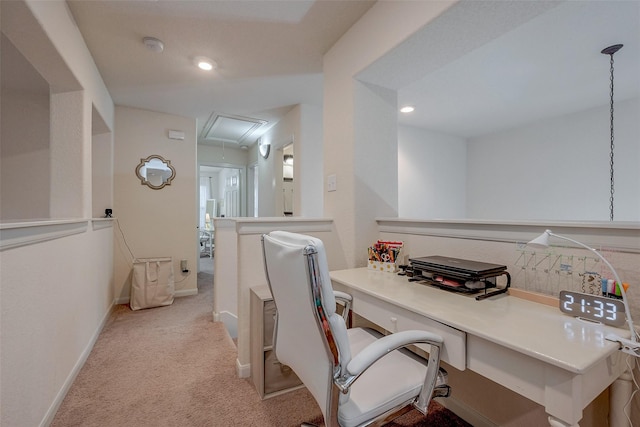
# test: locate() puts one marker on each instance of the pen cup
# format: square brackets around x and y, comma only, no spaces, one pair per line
[387,267]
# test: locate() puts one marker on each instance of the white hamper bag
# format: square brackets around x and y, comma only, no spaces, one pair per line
[152,283]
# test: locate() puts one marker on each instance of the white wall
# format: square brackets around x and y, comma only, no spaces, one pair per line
[56,296]
[555,169]
[432,174]
[308,164]
[364,161]
[229,156]
[301,126]
[563,162]
[286,131]
[102,177]
[70,126]
[56,285]
[57,50]
[155,223]
[24,138]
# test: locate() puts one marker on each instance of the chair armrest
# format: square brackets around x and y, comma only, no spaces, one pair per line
[374,351]
[342,296]
[387,344]
[344,299]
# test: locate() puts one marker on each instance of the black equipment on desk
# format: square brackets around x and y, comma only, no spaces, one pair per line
[458,275]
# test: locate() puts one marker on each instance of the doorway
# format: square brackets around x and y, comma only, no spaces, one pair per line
[253,185]
[220,194]
[287,180]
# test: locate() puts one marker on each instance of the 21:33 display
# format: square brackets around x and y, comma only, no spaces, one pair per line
[593,307]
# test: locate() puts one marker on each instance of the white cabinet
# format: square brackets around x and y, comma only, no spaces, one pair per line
[269,376]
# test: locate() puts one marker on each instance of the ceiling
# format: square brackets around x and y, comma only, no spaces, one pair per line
[485,66]
[268,54]
[465,72]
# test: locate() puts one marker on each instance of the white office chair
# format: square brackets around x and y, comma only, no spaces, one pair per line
[356,377]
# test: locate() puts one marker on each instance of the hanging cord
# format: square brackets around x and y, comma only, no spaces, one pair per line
[612,146]
[610,51]
[125,243]
[133,258]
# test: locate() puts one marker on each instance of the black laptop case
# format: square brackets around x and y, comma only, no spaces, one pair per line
[426,269]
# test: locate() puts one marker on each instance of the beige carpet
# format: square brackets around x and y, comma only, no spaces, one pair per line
[174,366]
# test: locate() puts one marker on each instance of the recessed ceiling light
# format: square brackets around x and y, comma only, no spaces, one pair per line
[153,44]
[407,109]
[204,63]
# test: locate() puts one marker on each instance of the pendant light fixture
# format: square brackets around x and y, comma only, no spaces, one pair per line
[610,51]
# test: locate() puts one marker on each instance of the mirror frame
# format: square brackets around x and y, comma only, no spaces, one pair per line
[143,180]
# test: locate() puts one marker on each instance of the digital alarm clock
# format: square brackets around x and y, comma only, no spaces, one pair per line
[593,307]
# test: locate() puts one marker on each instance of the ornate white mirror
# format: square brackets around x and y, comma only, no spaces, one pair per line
[155,172]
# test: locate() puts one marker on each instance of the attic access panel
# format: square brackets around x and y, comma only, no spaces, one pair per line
[229,128]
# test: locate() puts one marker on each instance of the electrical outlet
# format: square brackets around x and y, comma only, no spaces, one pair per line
[184,266]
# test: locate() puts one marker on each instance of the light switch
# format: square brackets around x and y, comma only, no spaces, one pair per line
[331,183]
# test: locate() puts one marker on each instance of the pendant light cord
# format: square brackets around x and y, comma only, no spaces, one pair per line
[610,51]
[612,145]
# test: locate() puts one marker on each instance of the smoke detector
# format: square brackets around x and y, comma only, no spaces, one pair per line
[153,44]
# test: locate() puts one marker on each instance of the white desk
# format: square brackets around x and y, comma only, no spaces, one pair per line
[533,349]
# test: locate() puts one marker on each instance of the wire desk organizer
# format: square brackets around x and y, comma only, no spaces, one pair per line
[550,271]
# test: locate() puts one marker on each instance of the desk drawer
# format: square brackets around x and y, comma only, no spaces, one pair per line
[395,319]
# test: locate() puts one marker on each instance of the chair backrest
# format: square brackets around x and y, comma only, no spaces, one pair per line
[310,337]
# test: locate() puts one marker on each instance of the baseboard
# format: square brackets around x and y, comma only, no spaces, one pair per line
[243,371]
[51,412]
[178,294]
[467,413]
[186,292]
[230,321]
[122,300]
